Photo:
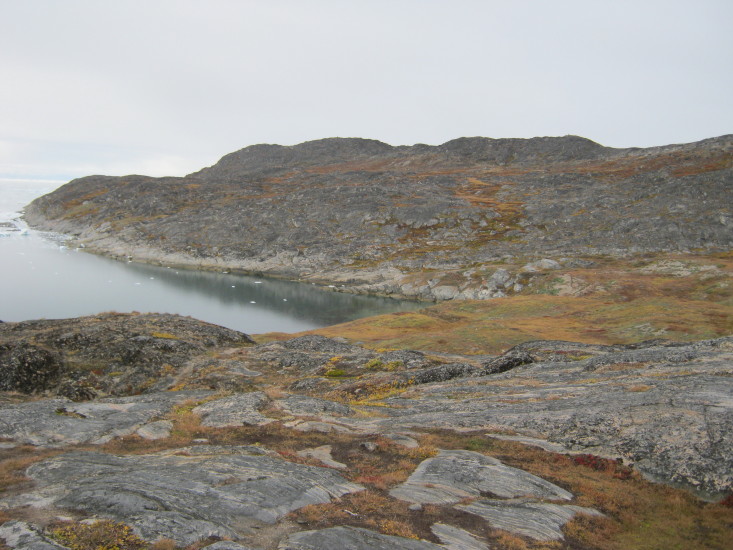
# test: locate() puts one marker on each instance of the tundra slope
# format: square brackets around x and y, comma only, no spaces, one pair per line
[368,215]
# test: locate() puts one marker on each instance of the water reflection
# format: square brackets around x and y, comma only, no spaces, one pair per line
[40,279]
[308,302]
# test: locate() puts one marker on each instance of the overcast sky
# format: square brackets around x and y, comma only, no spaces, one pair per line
[167,87]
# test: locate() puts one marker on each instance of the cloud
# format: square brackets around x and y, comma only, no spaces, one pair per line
[119,87]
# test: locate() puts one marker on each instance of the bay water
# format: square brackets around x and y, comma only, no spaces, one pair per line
[40,277]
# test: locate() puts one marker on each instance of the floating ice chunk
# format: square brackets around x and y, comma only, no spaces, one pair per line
[258,282]
[253,302]
[233,286]
[285,299]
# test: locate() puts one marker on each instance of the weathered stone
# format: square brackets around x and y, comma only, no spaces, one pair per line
[452,476]
[302,405]
[185,498]
[505,362]
[454,538]
[352,538]
[409,358]
[668,412]
[541,265]
[322,344]
[323,454]
[538,520]
[28,369]
[57,422]
[403,440]
[438,373]
[235,410]
[156,430]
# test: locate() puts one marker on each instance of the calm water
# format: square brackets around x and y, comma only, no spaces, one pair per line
[41,278]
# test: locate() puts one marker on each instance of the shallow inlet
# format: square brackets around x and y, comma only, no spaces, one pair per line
[41,278]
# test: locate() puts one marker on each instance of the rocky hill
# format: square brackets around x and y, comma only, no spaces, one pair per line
[374,217]
[591,410]
[165,432]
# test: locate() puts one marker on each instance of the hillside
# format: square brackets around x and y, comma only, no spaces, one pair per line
[375,218]
[588,408]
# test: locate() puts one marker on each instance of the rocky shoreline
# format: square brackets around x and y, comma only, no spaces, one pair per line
[410,218]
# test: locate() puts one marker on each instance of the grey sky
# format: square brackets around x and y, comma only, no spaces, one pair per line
[167,87]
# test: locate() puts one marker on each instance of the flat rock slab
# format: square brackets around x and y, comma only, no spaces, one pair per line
[156,430]
[454,538]
[322,453]
[352,538]
[59,422]
[235,410]
[533,442]
[538,520]
[302,405]
[211,492]
[452,476]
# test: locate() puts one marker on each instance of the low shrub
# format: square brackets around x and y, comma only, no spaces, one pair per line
[100,535]
[611,466]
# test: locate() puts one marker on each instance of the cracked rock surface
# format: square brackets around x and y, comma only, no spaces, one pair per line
[60,422]
[538,520]
[664,407]
[214,492]
[452,476]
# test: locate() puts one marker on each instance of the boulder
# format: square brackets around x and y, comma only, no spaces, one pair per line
[454,538]
[452,476]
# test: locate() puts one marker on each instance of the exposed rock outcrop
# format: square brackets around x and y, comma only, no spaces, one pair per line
[109,353]
[257,466]
[185,498]
[456,475]
[61,422]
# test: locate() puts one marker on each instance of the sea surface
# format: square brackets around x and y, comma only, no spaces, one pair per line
[40,277]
